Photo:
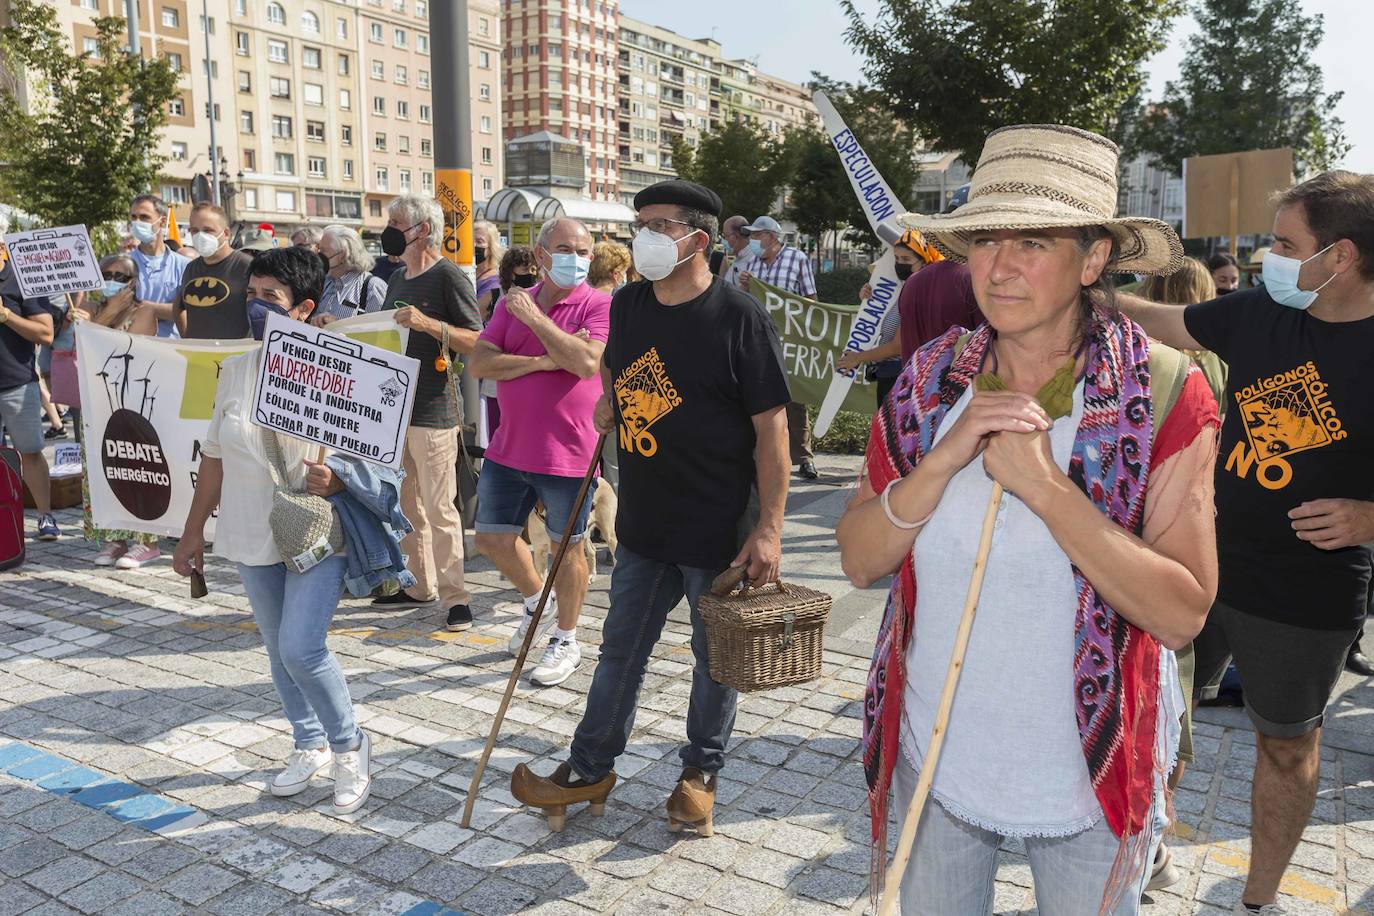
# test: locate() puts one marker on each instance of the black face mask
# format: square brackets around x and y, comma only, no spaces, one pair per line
[904,271]
[479,255]
[524,281]
[394,240]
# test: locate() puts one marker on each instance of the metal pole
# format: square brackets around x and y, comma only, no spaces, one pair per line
[131,19]
[210,104]
[448,30]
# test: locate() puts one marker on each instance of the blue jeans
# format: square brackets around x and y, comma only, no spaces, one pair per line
[954,864]
[506,497]
[643,591]
[293,612]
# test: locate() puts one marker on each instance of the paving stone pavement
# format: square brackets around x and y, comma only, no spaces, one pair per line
[123,674]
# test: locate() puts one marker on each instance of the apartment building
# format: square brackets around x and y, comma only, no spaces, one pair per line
[396,84]
[771,102]
[561,76]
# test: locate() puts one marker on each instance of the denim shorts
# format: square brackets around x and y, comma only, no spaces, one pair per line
[506,497]
[21,416]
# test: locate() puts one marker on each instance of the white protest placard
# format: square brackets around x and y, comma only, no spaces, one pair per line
[343,394]
[48,262]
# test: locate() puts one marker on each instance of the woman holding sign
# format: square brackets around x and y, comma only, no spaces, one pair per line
[1051,470]
[293,609]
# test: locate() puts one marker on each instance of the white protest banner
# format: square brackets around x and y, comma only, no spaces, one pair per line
[48,262]
[880,204]
[146,404]
[334,391]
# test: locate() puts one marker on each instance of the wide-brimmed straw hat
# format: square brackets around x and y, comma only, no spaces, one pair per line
[1049,176]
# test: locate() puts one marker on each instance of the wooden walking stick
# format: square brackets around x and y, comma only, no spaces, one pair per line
[533,629]
[907,840]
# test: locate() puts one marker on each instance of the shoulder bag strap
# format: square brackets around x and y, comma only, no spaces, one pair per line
[1168,372]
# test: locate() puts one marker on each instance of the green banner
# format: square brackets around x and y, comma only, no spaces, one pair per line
[813,337]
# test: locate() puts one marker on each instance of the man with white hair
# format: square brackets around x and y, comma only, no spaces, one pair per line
[436,302]
[307,237]
[349,286]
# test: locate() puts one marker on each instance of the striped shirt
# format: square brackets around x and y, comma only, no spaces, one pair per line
[790,271]
[342,294]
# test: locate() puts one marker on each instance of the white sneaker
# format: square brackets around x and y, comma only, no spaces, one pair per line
[560,660]
[113,551]
[300,768]
[353,778]
[545,621]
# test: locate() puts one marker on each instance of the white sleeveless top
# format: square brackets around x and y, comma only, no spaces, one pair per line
[1012,761]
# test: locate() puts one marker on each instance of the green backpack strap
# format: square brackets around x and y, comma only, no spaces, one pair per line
[1168,372]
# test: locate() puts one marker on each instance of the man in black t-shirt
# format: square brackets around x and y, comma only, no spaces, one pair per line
[1294,489]
[695,395]
[24,323]
[213,301]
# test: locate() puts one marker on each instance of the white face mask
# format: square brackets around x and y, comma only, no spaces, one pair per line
[142,232]
[656,254]
[205,243]
[1281,279]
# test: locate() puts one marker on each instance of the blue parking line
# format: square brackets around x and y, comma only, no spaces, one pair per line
[430,909]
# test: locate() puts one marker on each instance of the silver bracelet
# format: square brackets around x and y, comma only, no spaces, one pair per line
[891,517]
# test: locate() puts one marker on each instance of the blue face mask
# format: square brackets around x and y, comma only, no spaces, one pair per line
[258,310]
[756,248]
[569,270]
[112,288]
[1281,280]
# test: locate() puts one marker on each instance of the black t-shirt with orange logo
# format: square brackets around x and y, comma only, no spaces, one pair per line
[688,380]
[1299,427]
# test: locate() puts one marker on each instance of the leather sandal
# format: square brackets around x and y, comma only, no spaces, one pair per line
[692,802]
[554,793]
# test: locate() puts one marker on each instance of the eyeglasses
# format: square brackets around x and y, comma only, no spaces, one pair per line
[659,225]
[122,278]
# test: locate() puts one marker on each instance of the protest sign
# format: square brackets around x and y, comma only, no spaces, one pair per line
[1231,194]
[334,391]
[146,405]
[880,204]
[49,262]
[812,340]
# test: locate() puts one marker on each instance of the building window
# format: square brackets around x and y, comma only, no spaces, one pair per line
[345,99]
[374,32]
[383,178]
[250,160]
[178,151]
[90,46]
[404,180]
[422,42]
[314,130]
[315,166]
[280,87]
[348,169]
[240,7]
[245,81]
[276,51]
[398,6]
[310,23]
[343,65]
[422,9]
[424,114]
[212,113]
[486,186]
[484,60]
[246,122]
[286,201]
[175,194]
[281,126]
[314,94]
[374,208]
[483,26]
[276,14]
[427,182]
[403,144]
[378,70]
[379,141]
[250,198]
[485,124]
[346,135]
[170,18]
[241,43]
[211,68]
[89,5]
[426,147]
[310,58]
[403,109]
[379,105]
[176,108]
[402,75]
[398,38]
[284,163]
[486,154]
[484,92]
[174,60]
[422,78]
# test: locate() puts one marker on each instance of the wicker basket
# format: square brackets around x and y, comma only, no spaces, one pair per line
[765,637]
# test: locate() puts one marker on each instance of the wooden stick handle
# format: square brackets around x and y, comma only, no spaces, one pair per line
[529,634]
[907,840]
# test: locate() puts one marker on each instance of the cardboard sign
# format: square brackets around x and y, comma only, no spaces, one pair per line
[49,262]
[1229,194]
[340,393]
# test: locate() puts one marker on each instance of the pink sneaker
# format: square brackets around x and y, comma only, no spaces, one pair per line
[137,556]
[112,552]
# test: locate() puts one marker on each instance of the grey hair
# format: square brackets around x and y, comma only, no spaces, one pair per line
[547,229]
[122,259]
[310,235]
[413,209]
[708,223]
[158,203]
[347,240]
[493,237]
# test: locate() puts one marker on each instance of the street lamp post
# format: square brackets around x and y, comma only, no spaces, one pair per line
[210,103]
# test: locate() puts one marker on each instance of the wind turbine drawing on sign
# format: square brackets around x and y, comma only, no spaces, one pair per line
[881,206]
[145,380]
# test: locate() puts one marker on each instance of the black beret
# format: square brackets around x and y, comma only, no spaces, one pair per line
[681,194]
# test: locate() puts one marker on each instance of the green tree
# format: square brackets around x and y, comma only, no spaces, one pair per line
[741,162]
[957,69]
[88,140]
[1247,82]
[821,198]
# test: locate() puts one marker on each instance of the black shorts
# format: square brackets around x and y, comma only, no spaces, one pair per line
[1287,672]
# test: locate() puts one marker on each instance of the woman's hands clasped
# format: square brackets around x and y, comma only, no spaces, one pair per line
[1008,429]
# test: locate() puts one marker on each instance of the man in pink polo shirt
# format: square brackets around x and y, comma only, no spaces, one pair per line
[543,348]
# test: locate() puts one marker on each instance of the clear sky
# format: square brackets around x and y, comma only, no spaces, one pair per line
[794,37]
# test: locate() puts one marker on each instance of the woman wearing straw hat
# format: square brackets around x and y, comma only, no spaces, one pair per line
[1100,552]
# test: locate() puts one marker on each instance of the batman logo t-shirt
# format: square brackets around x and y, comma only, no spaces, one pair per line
[214,298]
